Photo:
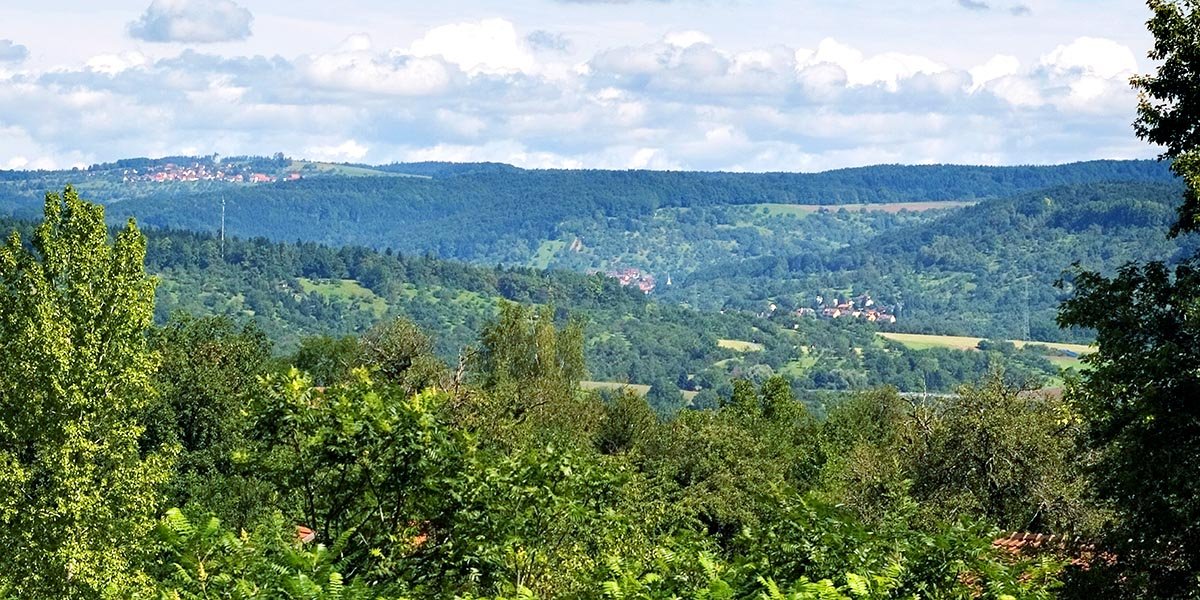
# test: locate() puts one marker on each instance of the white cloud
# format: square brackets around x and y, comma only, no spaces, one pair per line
[111,64]
[479,91]
[489,46]
[1096,57]
[995,68]
[1094,71]
[347,151]
[354,67]
[12,52]
[192,21]
[887,68]
[684,39]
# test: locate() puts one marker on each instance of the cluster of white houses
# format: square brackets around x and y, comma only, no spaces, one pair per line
[201,172]
[858,307]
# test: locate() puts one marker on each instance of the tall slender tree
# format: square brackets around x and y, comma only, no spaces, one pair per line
[77,489]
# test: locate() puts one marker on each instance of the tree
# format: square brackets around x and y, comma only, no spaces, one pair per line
[1169,99]
[530,371]
[400,353]
[209,373]
[1140,399]
[78,492]
[1000,453]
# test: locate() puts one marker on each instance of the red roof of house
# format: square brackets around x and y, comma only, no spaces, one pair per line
[304,534]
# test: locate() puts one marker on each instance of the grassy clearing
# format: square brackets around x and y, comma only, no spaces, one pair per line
[918,341]
[801,210]
[349,290]
[640,390]
[740,346]
[1066,362]
[546,253]
[347,170]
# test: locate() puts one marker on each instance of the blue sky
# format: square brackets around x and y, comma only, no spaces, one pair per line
[794,85]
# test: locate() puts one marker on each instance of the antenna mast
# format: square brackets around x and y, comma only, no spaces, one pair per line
[1025,308]
[222,225]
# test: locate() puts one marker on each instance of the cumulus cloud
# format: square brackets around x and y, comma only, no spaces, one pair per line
[997,67]
[489,46]
[1020,10]
[887,68]
[347,151]
[685,39]
[192,21]
[485,90]
[547,40]
[355,68]
[974,5]
[1091,56]
[12,52]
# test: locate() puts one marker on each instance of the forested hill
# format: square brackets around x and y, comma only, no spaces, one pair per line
[986,270]
[305,296]
[506,206]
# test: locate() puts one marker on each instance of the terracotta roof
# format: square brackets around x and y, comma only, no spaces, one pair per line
[1080,552]
[304,534]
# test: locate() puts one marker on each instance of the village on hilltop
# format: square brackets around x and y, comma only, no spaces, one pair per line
[635,277]
[199,171]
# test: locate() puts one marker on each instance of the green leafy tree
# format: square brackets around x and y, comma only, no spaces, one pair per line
[402,354]
[1169,99]
[78,491]
[209,374]
[1140,398]
[529,371]
[358,459]
[1002,454]
[328,359]
[628,420]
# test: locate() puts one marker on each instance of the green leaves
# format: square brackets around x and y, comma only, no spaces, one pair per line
[81,484]
[201,559]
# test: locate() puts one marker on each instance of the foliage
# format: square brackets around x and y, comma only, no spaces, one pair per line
[1168,103]
[1138,399]
[358,459]
[78,490]
[208,374]
[1138,403]
[201,559]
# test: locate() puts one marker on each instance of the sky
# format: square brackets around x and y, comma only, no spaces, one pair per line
[739,85]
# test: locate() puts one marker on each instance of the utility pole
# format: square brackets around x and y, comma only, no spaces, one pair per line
[1025,309]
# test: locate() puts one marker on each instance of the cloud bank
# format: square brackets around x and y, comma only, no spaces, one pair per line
[12,52]
[487,90]
[192,22]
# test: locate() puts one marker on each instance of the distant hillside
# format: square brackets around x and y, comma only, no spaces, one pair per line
[507,207]
[985,270]
[298,290]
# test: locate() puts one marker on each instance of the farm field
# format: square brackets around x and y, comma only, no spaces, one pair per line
[918,341]
[640,390]
[345,289]
[801,210]
[740,345]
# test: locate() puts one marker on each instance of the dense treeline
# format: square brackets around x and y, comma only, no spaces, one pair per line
[977,271]
[298,291]
[507,205]
[184,461]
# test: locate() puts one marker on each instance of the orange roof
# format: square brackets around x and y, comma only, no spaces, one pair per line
[305,535]
[1081,552]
